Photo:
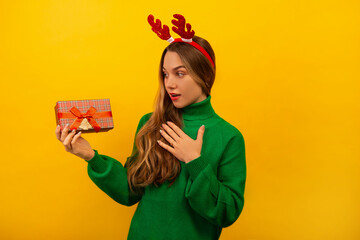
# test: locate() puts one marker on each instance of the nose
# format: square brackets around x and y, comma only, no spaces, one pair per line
[170,82]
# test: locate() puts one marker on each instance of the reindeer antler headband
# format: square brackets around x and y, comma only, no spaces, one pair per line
[186,35]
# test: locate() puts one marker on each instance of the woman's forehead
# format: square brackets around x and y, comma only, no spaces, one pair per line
[172,61]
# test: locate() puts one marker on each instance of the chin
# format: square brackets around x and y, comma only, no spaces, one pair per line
[180,104]
[177,105]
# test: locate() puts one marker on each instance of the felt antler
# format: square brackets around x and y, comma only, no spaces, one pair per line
[180,24]
[185,34]
[162,32]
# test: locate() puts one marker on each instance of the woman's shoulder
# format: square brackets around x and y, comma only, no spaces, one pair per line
[142,121]
[145,118]
[228,129]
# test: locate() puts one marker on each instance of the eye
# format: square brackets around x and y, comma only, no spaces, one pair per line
[165,75]
[180,74]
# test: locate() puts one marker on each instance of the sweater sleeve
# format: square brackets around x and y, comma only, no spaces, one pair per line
[111,176]
[219,198]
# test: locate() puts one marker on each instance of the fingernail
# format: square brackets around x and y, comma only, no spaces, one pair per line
[160,131]
[73,130]
[58,125]
[66,125]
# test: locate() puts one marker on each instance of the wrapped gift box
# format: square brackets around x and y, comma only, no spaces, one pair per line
[93,115]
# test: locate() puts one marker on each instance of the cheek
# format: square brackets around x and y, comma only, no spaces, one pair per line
[188,83]
[194,87]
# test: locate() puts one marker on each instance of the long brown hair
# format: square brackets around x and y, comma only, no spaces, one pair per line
[152,164]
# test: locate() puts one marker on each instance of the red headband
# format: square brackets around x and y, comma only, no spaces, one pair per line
[186,36]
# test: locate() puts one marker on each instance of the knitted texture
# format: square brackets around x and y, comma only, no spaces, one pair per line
[207,195]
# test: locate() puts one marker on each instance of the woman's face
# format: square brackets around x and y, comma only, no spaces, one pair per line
[179,83]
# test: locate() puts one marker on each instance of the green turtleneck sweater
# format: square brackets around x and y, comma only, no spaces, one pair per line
[207,195]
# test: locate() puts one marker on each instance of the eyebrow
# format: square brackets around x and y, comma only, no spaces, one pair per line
[176,68]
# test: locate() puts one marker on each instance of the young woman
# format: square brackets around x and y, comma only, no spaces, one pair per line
[187,169]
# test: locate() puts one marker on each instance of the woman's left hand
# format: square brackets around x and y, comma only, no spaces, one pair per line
[182,146]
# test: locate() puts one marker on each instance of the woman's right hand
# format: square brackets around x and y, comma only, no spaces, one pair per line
[74,143]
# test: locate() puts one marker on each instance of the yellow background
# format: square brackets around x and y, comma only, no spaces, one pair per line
[288,79]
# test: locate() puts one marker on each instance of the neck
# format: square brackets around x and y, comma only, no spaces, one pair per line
[198,111]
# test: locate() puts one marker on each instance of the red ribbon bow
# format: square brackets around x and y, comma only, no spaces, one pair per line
[89,115]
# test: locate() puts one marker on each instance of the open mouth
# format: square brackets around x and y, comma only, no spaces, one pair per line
[174,96]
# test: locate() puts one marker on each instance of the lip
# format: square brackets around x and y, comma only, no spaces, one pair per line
[174,98]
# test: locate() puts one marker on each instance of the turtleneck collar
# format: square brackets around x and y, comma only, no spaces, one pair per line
[198,111]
